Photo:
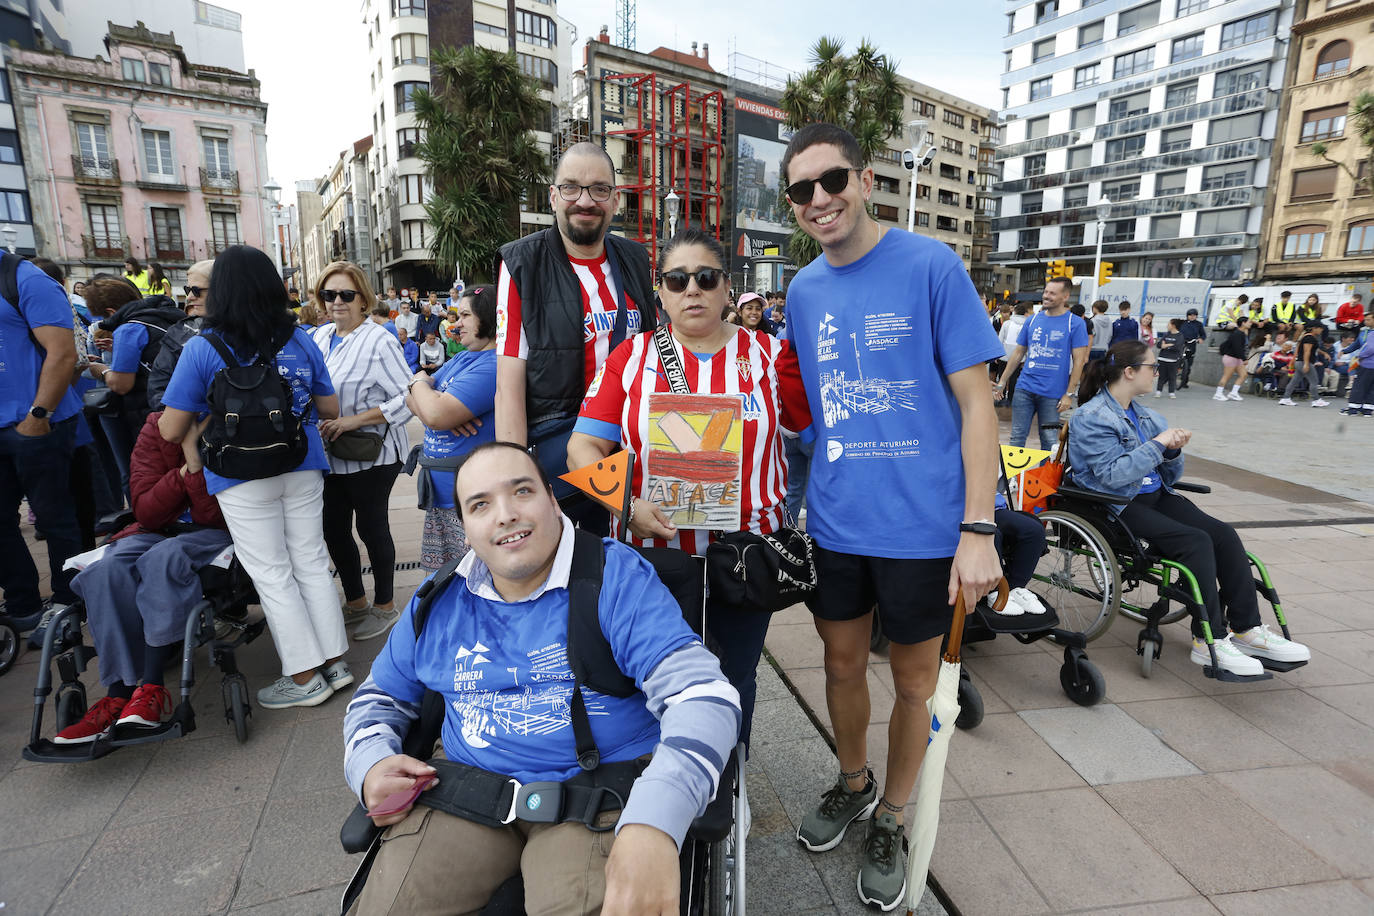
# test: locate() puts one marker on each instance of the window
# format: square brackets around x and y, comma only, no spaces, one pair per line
[1166,227]
[1028,238]
[407,7]
[1011,23]
[406,139]
[1186,48]
[1226,175]
[1361,240]
[1128,106]
[4,86]
[1136,62]
[886,212]
[1314,184]
[104,220]
[1041,88]
[1180,94]
[1219,222]
[1071,235]
[217,166]
[949,198]
[1119,230]
[1303,242]
[224,228]
[543,70]
[1188,7]
[414,232]
[159,74]
[405,95]
[1323,123]
[218,16]
[14,207]
[1133,20]
[535,29]
[1090,34]
[1244,31]
[1037,128]
[946,224]
[1006,63]
[948,171]
[890,185]
[1041,50]
[9,146]
[489,28]
[167,238]
[1033,202]
[157,154]
[1242,79]
[1046,10]
[1035,165]
[132,68]
[924,109]
[1176,138]
[922,191]
[950,145]
[1086,76]
[1117,191]
[1333,60]
[922,219]
[1124,148]
[93,145]
[410,48]
[1076,196]
[1241,127]
[955,119]
[1083,118]
[412,189]
[1080,157]
[1170,183]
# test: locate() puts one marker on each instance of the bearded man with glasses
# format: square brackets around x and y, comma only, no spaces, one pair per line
[566,297]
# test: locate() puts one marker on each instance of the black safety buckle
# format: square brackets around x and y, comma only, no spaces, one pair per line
[593,811]
[536,803]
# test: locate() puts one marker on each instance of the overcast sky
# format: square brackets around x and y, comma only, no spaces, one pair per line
[311,55]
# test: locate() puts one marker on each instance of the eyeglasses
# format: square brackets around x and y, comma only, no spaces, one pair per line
[1153,367]
[834,181]
[599,192]
[196,291]
[708,278]
[347,295]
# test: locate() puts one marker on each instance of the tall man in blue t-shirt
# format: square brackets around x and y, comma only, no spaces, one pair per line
[37,437]
[1054,346]
[893,342]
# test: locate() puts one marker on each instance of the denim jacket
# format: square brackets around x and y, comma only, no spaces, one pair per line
[1106,454]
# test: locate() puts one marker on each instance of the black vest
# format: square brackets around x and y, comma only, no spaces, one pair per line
[551,315]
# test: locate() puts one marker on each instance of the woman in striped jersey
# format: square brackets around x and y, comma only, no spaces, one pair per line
[754,370]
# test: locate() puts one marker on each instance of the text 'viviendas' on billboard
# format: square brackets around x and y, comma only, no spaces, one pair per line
[761,137]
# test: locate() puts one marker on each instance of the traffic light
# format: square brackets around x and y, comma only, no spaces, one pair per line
[1056,269]
[1066,271]
[1104,273]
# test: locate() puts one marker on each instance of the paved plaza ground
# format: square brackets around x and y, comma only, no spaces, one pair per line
[1175,795]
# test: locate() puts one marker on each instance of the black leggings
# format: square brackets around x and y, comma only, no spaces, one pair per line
[1020,542]
[366,494]
[1210,548]
[1168,375]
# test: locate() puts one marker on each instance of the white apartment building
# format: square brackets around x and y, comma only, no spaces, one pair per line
[1168,108]
[210,34]
[400,34]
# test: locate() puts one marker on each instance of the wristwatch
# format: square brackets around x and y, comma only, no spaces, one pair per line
[982,526]
[39,412]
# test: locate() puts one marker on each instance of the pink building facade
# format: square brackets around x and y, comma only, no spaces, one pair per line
[144,155]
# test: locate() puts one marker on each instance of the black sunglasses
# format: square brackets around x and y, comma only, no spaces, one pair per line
[834,181]
[707,278]
[347,295]
[196,290]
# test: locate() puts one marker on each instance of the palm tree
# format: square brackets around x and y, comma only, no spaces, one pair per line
[859,92]
[480,153]
[1361,118]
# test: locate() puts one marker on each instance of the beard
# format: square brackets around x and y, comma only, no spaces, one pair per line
[588,235]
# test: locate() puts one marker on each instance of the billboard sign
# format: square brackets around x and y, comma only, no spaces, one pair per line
[761,137]
[1165,298]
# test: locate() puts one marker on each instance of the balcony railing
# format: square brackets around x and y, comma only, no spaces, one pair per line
[105,247]
[173,249]
[219,181]
[213,248]
[95,170]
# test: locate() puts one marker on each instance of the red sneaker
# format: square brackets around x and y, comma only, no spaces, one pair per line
[150,705]
[95,723]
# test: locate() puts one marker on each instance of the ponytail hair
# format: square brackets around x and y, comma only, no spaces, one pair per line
[1102,372]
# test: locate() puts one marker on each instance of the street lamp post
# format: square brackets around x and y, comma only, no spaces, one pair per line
[10,234]
[746,276]
[274,191]
[918,154]
[670,203]
[1104,210]
[1187,268]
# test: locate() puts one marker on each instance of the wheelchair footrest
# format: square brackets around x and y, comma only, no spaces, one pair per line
[46,751]
[1274,665]
[1221,674]
[1020,623]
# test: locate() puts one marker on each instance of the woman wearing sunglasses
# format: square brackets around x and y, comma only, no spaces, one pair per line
[1124,449]
[366,443]
[754,370]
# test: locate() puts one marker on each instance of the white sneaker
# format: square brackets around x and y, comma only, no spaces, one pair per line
[1219,396]
[1022,601]
[284,692]
[1319,403]
[1262,642]
[1172,396]
[1160,394]
[338,675]
[1287,402]
[1234,395]
[1228,657]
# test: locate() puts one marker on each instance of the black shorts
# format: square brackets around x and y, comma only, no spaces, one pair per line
[911,595]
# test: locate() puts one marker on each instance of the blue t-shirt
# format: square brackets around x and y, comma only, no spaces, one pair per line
[42,303]
[471,378]
[300,361]
[391,326]
[1151,481]
[876,340]
[1049,342]
[129,340]
[411,350]
[503,670]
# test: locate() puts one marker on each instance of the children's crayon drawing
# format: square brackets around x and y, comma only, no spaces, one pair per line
[693,461]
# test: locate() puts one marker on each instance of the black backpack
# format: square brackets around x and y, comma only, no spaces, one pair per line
[157,314]
[254,431]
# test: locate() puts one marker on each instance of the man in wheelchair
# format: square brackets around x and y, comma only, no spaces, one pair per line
[1126,450]
[495,649]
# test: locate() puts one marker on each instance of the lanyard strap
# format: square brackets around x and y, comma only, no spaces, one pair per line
[671,362]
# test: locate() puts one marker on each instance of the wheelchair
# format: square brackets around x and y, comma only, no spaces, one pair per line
[1094,566]
[9,641]
[227,592]
[712,861]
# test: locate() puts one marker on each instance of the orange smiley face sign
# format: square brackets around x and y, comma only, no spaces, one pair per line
[605,481]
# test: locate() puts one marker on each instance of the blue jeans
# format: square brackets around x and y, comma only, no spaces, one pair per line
[739,636]
[37,467]
[1024,406]
[798,470]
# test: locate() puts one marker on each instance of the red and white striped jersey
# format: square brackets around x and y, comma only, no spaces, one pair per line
[598,314]
[753,364]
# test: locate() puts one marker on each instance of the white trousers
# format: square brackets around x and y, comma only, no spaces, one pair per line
[278,536]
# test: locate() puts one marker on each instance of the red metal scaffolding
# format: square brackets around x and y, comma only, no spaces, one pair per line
[642,151]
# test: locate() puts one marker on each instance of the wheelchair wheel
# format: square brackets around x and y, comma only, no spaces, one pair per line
[71,704]
[9,644]
[1082,682]
[236,707]
[1078,574]
[719,889]
[970,706]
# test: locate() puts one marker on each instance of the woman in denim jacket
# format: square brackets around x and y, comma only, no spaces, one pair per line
[1126,450]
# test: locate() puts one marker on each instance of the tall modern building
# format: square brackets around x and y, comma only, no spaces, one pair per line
[400,34]
[1167,108]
